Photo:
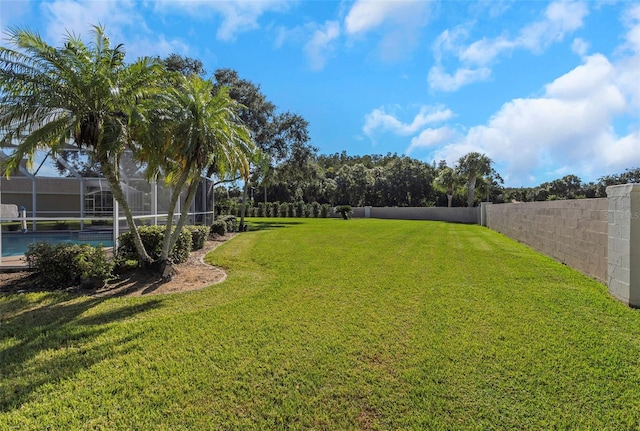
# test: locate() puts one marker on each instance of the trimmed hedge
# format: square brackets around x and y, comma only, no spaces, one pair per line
[284,209]
[152,238]
[199,235]
[219,227]
[63,265]
[231,221]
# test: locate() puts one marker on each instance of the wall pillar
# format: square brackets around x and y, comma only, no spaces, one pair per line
[367,212]
[623,260]
[483,213]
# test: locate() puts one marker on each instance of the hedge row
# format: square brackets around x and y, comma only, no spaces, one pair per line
[279,209]
[64,265]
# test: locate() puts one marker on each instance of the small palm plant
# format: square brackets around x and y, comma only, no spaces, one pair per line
[344,210]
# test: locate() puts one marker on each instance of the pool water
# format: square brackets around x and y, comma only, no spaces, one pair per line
[17,243]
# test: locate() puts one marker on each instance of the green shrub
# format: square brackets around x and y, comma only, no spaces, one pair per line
[63,265]
[198,236]
[345,210]
[262,209]
[325,210]
[219,227]
[315,209]
[273,209]
[283,209]
[231,221]
[152,238]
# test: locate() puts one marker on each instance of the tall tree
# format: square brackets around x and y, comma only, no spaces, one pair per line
[446,181]
[194,129]
[274,134]
[472,166]
[186,66]
[81,91]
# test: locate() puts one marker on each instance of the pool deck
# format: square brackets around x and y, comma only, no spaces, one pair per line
[13,263]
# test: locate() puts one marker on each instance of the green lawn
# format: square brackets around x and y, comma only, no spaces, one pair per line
[336,325]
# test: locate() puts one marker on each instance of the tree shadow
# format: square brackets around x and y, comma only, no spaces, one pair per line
[266,225]
[48,340]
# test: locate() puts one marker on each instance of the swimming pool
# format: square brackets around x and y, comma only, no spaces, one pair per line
[17,243]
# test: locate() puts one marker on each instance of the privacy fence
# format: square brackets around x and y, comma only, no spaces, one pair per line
[598,237]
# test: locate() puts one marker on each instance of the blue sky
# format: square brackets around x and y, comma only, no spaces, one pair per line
[545,89]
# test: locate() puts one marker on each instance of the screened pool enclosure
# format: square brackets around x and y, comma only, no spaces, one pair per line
[44,204]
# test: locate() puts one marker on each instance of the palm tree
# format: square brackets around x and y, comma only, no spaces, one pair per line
[471,167]
[83,92]
[445,182]
[192,130]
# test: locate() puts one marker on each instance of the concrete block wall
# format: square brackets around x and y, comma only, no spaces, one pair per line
[574,232]
[624,243]
[456,215]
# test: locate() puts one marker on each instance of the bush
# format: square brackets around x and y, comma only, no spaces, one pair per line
[219,227]
[152,238]
[63,265]
[231,221]
[315,209]
[325,209]
[345,210]
[273,209]
[283,209]
[198,236]
[262,209]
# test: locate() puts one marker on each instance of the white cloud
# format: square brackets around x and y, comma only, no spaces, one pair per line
[320,44]
[633,24]
[585,80]
[570,123]
[159,46]
[122,19]
[628,67]
[485,51]
[380,120]
[440,80]
[628,79]
[237,16]
[366,15]
[494,7]
[430,137]
[579,46]
[401,20]
[450,40]
[560,19]
[617,153]
[70,16]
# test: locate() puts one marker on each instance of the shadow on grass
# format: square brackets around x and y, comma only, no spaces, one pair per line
[265,225]
[45,343]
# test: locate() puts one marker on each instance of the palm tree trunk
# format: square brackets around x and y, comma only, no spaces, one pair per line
[175,195]
[191,194]
[119,196]
[450,199]
[243,208]
[472,191]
